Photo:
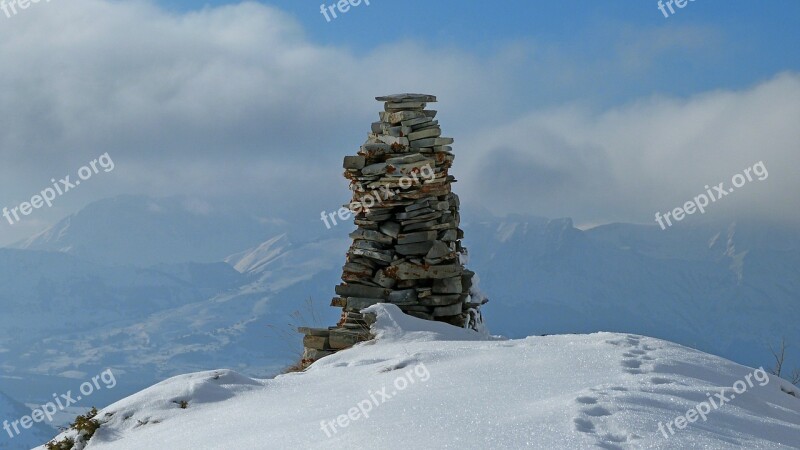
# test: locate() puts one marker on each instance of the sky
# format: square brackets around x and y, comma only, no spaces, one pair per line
[602,111]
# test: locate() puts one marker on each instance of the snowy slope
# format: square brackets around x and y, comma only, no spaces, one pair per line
[464,391]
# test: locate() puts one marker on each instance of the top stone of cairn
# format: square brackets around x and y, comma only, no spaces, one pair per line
[401,98]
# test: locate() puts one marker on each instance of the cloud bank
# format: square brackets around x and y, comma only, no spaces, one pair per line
[236,102]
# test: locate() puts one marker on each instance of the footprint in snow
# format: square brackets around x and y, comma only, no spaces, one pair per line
[596,418]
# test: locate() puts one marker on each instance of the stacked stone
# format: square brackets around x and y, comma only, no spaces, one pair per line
[407,248]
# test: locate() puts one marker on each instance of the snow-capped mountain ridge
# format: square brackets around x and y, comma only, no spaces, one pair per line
[542,276]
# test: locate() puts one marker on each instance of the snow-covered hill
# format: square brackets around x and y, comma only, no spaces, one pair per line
[726,289]
[429,385]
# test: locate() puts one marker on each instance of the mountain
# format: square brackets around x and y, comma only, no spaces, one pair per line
[10,411]
[424,384]
[143,231]
[151,323]
[729,289]
[40,289]
[58,310]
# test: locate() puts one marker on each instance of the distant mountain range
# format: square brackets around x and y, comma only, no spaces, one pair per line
[144,231]
[730,289]
[11,410]
[154,288]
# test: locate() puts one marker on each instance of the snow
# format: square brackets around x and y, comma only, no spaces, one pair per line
[464,390]
[545,278]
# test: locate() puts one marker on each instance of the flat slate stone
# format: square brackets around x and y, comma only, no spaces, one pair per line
[383,280]
[438,250]
[420,218]
[376,147]
[358,290]
[424,125]
[447,286]
[376,216]
[416,122]
[418,248]
[316,342]
[421,203]
[398,117]
[406,296]
[407,170]
[411,238]
[408,159]
[414,214]
[399,106]
[372,254]
[371,235]
[425,134]
[393,140]
[374,169]
[424,225]
[432,142]
[448,235]
[398,131]
[441,300]
[358,303]
[341,339]
[324,332]
[354,162]
[368,245]
[391,229]
[407,97]
[408,271]
[452,310]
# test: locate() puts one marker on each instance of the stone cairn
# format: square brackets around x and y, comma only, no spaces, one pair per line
[407,248]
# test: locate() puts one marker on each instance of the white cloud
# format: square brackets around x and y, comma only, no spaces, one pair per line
[628,162]
[236,101]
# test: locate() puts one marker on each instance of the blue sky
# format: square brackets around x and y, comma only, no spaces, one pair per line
[604,111]
[751,40]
